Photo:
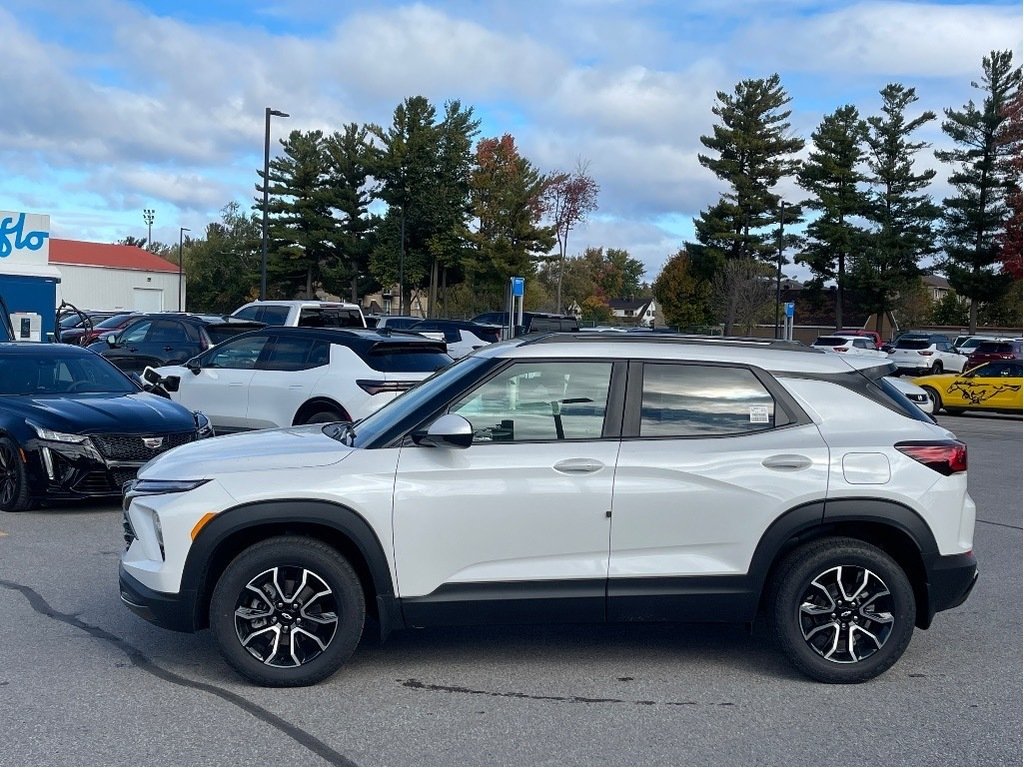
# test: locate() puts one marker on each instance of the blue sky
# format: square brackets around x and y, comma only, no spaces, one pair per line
[112,106]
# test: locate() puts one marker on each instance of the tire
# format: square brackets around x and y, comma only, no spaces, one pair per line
[936,367]
[934,396]
[324,417]
[324,637]
[14,495]
[955,411]
[827,580]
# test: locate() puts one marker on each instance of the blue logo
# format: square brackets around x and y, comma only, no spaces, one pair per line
[32,241]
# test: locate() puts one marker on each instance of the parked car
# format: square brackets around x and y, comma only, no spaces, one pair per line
[853,345]
[73,326]
[597,477]
[533,322]
[915,394]
[279,377]
[875,336]
[461,336]
[397,322]
[993,386]
[73,426]
[925,354]
[303,314]
[167,338]
[987,351]
[113,324]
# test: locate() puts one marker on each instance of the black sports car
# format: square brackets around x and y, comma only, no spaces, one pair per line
[73,426]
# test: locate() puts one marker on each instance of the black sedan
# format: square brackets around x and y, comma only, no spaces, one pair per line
[73,426]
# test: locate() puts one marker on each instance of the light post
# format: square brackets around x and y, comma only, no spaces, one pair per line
[181,240]
[401,267]
[148,216]
[266,188]
[778,274]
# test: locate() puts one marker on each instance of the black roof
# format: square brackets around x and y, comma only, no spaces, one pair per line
[358,338]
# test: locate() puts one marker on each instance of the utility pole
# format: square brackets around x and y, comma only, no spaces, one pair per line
[778,273]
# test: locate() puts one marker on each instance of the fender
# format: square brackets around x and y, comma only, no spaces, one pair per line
[891,513]
[285,512]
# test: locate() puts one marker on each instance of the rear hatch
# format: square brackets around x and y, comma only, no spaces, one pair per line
[401,363]
[913,353]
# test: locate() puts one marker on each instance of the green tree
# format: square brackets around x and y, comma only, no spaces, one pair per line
[950,310]
[685,297]
[506,191]
[568,199]
[301,226]
[832,176]
[753,153]
[901,215]
[975,217]
[223,268]
[349,157]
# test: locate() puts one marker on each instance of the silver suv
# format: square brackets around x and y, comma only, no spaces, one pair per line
[589,477]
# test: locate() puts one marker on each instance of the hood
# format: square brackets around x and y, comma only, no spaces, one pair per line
[134,413]
[262,450]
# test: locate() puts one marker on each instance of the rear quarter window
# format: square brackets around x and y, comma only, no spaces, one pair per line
[273,315]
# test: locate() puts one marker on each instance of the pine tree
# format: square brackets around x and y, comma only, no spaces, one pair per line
[901,214]
[831,174]
[349,154]
[975,217]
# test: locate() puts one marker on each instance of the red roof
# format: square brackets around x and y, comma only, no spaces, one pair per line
[107,255]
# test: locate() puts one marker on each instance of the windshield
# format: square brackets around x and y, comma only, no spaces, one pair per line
[409,402]
[113,322]
[56,374]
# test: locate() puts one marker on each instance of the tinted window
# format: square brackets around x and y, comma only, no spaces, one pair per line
[397,323]
[135,334]
[330,317]
[249,313]
[24,375]
[696,401]
[225,331]
[532,401]
[287,354]
[240,353]
[913,344]
[994,347]
[829,341]
[395,358]
[167,331]
[273,315]
[113,322]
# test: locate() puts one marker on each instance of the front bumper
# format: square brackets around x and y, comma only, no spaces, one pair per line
[950,581]
[170,611]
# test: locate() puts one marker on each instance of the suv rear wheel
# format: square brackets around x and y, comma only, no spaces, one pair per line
[842,610]
[287,611]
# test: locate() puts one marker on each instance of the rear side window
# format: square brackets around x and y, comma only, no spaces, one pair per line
[409,358]
[219,333]
[286,354]
[273,315]
[698,401]
[249,313]
[913,344]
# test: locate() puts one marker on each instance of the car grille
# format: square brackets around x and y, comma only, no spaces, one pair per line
[132,447]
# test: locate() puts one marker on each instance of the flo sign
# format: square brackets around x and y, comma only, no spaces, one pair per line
[24,238]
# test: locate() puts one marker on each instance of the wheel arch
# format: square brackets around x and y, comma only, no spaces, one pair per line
[237,528]
[892,527]
[319,403]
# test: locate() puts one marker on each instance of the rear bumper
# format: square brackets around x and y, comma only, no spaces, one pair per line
[170,611]
[950,581]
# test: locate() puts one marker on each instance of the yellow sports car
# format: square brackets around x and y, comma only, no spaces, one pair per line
[994,386]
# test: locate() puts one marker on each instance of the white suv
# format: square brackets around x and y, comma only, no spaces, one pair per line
[303,314]
[920,355]
[279,377]
[595,477]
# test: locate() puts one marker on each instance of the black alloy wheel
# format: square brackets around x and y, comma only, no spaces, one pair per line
[14,495]
[843,610]
[287,611]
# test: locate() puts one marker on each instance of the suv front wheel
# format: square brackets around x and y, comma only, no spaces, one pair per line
[842,610]
[287,611]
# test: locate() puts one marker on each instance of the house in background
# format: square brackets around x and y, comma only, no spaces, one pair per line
[114,276]
[936,285]
[634,311]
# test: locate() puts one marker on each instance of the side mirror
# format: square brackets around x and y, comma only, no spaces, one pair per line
[170,383]
[111,340]
[447,431]
[193,365]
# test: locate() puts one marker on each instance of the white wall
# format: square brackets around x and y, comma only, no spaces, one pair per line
[103,288]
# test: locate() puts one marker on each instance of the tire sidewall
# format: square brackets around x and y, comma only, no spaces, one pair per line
[807,564]
[21,500]
[289,551]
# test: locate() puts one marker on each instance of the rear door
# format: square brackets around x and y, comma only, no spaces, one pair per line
[285,374]
[711,455]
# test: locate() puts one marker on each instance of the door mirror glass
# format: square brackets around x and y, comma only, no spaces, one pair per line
[111,340]
[447,431]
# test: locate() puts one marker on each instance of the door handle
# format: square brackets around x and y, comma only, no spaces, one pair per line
[787,462]
[579,466]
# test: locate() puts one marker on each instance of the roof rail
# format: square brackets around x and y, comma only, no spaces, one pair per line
[669,338]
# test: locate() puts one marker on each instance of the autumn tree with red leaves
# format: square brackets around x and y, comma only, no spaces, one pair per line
[568,200]
[1010,136]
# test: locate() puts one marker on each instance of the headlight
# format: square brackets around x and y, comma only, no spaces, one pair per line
[203,425]
[58,437]
[154,487]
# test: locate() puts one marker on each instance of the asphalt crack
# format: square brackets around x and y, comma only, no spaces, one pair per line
[419,685]
[301,737]
[1001,525]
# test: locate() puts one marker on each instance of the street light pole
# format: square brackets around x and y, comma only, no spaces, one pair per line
[266,191]
[181,239]
[778,273]
[148,215]
[401,267]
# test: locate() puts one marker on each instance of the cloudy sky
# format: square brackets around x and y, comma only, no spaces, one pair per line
[111,106]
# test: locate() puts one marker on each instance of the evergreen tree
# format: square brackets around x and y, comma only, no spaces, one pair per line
[832,176]
[975,217]
[223,269]
[349,154]
[754,151]
[900,213]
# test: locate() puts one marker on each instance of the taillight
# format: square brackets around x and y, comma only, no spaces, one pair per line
[839,349]
[946,457]
[376,387]
[926,352]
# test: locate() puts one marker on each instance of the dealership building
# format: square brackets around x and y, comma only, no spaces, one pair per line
[38,271]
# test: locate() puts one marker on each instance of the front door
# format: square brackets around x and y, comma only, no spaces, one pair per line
[221,388]
[515,527]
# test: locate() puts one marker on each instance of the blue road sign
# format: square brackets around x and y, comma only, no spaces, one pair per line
[518,284]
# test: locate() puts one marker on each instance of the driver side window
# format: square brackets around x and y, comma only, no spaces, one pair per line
[539,401]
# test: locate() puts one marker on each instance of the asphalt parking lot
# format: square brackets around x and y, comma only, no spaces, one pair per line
[84,682]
